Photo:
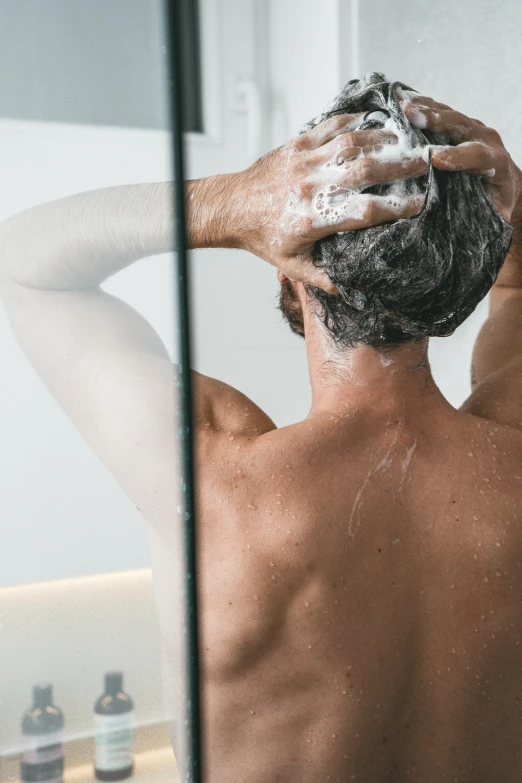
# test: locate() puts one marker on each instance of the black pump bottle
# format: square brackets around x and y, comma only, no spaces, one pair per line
[114,725]
[42,727]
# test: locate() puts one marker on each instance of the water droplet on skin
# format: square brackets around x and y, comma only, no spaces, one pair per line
[306,603]
[344,693]
[309,646]
[252,712]
[252,507]
[256,598]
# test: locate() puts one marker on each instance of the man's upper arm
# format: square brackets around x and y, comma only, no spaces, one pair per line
[497,361]
[112,375]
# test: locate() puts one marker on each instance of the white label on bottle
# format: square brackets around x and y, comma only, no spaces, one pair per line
[113,741]
[42,748]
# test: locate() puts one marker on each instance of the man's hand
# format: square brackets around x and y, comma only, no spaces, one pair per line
[310,188]
[479,149]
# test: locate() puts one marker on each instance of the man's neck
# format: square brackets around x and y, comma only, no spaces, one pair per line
[362,379]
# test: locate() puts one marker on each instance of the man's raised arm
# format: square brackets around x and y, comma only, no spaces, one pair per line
[102,361]
[497,354]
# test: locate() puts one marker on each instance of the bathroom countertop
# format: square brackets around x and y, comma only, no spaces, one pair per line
[153,766]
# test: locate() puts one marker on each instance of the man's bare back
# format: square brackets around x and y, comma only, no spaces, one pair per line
[360,599]
[359,572]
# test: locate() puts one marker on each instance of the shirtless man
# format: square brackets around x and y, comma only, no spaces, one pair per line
[360,571]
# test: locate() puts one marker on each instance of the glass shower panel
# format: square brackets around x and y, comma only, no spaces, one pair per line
[94,456]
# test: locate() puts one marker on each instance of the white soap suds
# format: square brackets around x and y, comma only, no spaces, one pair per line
[383,464]
[405,465]
[334,201]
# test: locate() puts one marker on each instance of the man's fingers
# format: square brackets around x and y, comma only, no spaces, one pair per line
[470,156]
[350,145]
[328,130]
[361,210]
[367,171]
[452,124]
[425,100]
[306,272]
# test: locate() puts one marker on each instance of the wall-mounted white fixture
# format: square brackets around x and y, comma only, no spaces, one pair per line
[245,98]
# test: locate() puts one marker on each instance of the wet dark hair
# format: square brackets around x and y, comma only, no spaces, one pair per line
[415,277]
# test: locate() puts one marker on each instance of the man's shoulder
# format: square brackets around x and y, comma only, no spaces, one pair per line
[223,413]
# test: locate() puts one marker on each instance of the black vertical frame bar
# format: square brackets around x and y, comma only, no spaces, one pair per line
[190,51]
[175,32]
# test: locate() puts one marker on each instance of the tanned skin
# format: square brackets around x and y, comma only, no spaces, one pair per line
[360,572]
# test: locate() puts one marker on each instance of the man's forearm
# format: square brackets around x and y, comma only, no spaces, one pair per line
[211,207]
[81,240]
[511,273]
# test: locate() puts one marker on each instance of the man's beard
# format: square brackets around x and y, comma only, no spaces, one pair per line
[290,306]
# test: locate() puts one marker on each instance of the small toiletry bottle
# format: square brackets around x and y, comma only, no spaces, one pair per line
[114,725]
[42,728]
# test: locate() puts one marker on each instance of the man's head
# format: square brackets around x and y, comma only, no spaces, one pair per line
[416,277]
